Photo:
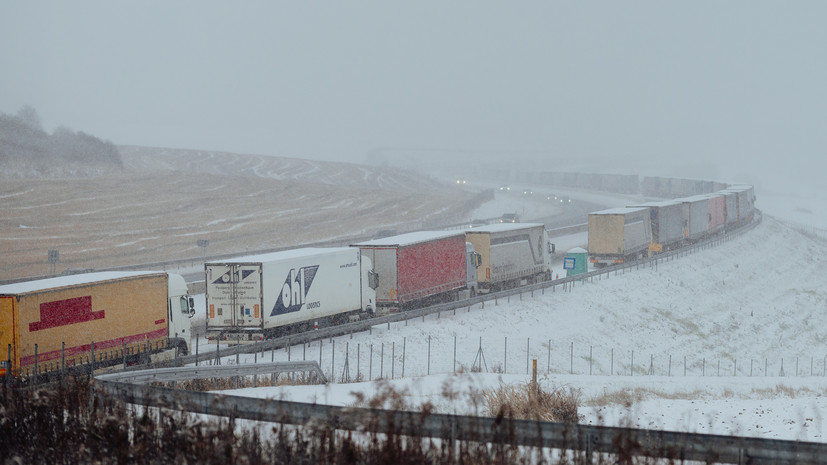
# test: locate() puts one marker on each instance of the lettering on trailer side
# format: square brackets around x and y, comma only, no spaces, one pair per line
[66,312]
[294,290]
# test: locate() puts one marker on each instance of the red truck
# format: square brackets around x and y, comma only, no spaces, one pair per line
[418,268]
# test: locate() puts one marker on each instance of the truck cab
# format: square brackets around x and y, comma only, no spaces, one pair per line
[180,309]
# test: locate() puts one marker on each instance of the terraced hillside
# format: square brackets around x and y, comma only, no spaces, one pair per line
[164,201]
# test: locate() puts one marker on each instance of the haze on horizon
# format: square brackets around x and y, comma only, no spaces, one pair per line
[725,90]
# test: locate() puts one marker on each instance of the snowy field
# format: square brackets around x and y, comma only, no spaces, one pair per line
[728,340]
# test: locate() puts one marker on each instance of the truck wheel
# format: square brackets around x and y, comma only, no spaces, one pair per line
[182,348]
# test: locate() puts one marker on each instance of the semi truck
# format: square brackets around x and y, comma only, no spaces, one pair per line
[617,235]
[262,296]
[54,323]
[511,253]
[418,268]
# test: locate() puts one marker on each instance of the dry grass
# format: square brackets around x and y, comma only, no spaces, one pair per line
[630,396]
[533,403]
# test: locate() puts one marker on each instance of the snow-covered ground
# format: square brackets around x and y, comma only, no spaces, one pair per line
[727,340]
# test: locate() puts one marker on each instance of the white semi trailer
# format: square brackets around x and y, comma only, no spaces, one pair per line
[262,296]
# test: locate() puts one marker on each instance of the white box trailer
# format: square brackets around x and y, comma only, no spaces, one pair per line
[510,253]
[744,202]
[696,214]
[667,223]
[261,296]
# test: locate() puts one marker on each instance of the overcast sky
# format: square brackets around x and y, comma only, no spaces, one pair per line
[715,88]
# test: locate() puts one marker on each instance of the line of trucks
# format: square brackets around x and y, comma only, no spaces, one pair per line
[130,317]
[263,296]
[629,233]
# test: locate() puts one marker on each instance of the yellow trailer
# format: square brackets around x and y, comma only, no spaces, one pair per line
[53,323]
[618,235]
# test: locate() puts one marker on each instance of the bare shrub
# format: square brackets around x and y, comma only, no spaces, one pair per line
[533,403]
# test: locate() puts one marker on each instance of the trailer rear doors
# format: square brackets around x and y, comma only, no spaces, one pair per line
[234,295]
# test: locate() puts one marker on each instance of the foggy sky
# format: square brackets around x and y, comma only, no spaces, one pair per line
[724,89]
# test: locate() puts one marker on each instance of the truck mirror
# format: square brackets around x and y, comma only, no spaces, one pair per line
[373,279]
[477,260]
[191,305]
[551,248]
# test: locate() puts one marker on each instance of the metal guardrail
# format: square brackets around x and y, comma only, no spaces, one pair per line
[588,439]
[163,375]
[576,228]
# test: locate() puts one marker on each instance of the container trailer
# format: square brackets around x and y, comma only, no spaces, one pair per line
[617,235]
[717,212]
[696,217]
[730,207]
[667,222]
[56,323]
[261,296]
[418,268]
[511,254]
[744,202]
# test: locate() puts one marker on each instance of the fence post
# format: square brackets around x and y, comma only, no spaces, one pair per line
[92,367]
[333,359]
[527,351]
[429,354]
[404,344]
[590,360]
[455,354]
[393,358]
[571,359]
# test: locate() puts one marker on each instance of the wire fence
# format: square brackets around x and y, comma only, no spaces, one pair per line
[343,361]
[812,231]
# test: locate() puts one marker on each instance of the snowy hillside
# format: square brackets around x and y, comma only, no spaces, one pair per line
[748,317]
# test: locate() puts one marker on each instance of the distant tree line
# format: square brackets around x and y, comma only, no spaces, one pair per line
[23,140]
